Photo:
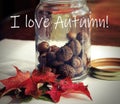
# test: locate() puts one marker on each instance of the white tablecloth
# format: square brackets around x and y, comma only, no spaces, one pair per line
[22,54]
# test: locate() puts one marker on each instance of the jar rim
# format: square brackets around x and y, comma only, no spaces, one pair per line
[63,1]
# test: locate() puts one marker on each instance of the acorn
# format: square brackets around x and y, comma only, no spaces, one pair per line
[66,71]
[43,46]
[53,48]
[54,70]
[57,63]
[76,62]
[71,35]
[75,46]
[50,56]
[64,53]
[79,70]
[79,37]
[42,58]
[45,69]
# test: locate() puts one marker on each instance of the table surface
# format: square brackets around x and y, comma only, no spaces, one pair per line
[22,54]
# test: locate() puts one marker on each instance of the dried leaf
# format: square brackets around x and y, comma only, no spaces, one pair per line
[31,88]
[14,82]
[65,87]
[48,76]
[31,85]
[55,94]
[69,87]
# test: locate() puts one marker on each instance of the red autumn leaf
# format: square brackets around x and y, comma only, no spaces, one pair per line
[31,88]
[14,82]
[59,88]
[48,76]
[30,85]
[65,87]
[55,94]
[68,86]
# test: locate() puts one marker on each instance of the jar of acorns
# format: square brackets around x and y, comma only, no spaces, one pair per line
[63,38]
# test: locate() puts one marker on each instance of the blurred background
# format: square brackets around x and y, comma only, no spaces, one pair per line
[9,7]
[16,7]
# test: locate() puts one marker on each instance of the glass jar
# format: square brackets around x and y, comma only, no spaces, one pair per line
[63,38]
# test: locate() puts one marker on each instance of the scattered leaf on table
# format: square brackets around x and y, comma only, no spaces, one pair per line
[65,87]
[14,82]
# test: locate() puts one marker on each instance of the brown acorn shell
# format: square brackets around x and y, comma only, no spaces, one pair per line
[76,47]
[76,62]
[66,71]
[43,46]
[64,53]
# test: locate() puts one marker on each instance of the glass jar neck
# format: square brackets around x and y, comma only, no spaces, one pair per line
[73,3]
[63,1]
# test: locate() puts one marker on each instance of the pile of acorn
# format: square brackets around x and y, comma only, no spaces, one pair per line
[66,60]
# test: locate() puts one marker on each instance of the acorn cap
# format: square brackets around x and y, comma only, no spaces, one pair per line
[79,70]
[56,63]
[53,48]
[50,57]
[64,53]
[66,71]
[75,46]
[76,62]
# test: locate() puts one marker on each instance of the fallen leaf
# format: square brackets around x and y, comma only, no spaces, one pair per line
[48,76]
[31,85]
[65,87]
[14,82]
[31,88]
[55,94]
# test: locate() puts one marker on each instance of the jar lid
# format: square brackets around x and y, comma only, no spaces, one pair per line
[106,68]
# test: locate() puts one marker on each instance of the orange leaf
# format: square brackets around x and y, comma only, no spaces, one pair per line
[68,86]
[31,88]
[65,87]
[14,82]
[55,94]
[48,76]
[30,85]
